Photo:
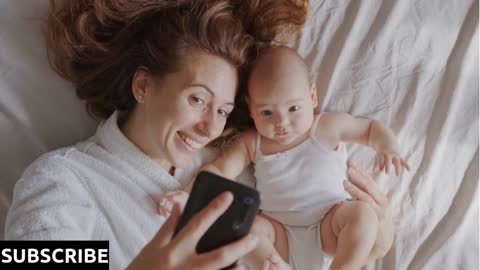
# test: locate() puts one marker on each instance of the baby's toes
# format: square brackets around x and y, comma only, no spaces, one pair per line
[266,265]
[164,207]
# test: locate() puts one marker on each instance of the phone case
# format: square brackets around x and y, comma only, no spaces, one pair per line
[237,219]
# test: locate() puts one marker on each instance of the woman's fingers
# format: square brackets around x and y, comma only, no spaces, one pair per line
[360,195]
[164,236]
[178,196]
[201,221]
[228,254]
[365,183]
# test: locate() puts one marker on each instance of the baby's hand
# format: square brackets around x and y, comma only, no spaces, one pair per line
[384,159]
[168,199]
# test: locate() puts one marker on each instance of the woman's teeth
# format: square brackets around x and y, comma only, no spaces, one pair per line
[190,142]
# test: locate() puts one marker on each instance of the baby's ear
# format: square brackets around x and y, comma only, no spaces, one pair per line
[313,94]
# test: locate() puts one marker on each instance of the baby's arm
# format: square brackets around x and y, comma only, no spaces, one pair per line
[229,164]
[234,160]
[338,127]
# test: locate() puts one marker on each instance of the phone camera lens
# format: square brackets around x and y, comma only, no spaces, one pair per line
[248,200]
[237,225]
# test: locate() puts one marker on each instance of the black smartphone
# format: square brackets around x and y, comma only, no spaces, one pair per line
[237,219]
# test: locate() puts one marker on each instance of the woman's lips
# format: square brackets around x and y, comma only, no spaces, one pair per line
[190,142]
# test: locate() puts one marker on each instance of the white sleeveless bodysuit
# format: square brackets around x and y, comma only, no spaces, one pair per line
[297,188]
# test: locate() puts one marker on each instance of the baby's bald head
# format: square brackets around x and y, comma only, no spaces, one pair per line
[277,65]
[280,98]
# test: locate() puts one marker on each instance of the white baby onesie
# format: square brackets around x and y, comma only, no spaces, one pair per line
[297,188]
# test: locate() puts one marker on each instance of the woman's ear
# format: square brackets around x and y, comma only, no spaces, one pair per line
[313,94]
[140,84]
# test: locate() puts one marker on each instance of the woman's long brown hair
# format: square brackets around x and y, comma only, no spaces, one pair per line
[99,44]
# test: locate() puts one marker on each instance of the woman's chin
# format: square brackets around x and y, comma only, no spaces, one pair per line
[182,160]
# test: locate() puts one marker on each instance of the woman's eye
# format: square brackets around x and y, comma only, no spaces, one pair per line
[266,113]
[197,101]
[294,108]
[223,113]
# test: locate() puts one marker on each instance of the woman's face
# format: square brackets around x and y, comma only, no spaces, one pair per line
[180,113]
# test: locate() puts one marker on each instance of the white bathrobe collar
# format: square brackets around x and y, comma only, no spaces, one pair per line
[114,141]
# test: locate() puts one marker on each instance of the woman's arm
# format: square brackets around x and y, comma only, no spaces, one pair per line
[168,252]
[50,203]
[364,188]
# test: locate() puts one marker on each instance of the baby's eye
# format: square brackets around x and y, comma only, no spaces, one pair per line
[223,113]
[294,108]
[266,113]
[196,101]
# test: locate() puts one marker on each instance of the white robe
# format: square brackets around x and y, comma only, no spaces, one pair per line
[100,189]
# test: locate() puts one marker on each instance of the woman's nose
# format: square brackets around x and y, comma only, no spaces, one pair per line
[208,126]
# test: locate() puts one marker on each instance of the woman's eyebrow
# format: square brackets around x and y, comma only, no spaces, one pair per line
[209,90]
[203,86]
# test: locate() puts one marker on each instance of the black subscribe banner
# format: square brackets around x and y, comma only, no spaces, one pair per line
[54,254]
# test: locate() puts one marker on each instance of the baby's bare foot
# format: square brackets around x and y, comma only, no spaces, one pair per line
[168,199]
[274,262]
[164,207]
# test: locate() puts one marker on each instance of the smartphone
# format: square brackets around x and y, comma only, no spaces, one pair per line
[237,219]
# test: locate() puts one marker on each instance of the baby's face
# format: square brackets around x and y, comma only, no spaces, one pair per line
[283,107]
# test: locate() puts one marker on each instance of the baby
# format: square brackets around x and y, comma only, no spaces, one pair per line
[300,169]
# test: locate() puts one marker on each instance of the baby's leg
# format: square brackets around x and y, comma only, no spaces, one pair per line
[348,232]
[272,236]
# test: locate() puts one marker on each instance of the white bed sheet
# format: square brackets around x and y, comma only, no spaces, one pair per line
[410,64]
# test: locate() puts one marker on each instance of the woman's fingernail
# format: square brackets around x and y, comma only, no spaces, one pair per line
[225,197]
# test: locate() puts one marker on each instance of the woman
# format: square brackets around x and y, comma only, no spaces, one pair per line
[164,76]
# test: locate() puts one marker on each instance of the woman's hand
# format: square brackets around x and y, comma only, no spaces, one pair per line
[363,188]
[167,252]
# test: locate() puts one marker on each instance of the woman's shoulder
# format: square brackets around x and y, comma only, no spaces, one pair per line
[55,165]
[47,188]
